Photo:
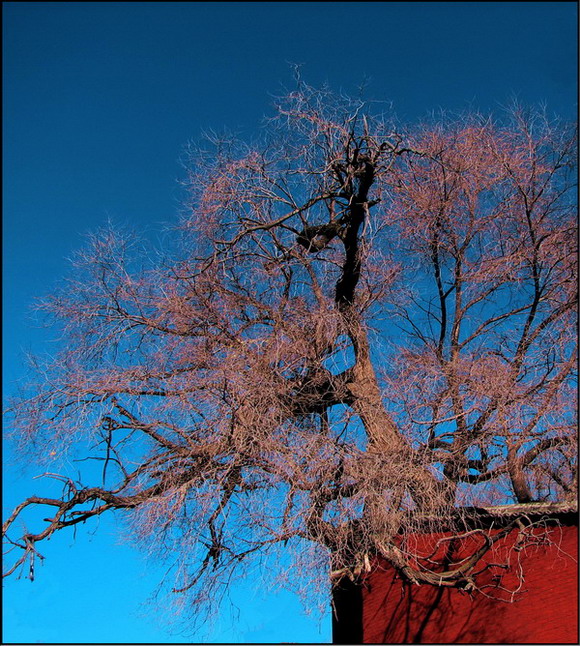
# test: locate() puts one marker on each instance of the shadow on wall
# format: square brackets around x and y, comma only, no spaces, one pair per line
[541,583]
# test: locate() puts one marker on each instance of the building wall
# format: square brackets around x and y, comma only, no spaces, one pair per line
[544,608]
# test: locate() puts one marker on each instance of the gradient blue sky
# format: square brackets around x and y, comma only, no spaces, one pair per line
[99,100]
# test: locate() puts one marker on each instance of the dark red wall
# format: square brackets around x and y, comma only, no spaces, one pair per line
[544,611]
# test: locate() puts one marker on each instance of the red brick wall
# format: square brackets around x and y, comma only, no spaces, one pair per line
[544,611]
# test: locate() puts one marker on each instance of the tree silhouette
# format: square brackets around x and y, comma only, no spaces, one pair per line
[360,331]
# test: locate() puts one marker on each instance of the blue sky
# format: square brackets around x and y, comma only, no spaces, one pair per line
[100,99]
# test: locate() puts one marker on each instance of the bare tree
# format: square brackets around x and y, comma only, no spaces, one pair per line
[361,330]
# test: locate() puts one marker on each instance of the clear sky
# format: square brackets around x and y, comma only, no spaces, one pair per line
[99,100]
